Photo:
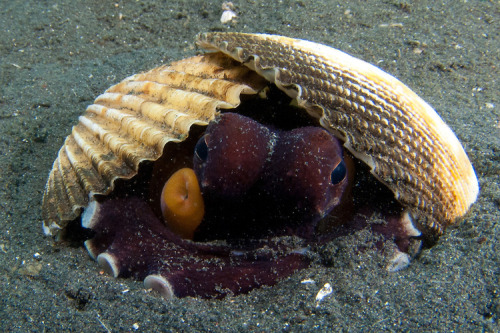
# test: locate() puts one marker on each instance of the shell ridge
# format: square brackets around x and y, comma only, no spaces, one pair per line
[209,86]
[135,139]
[88,178]
[60,194]
[74,191]
[150,110]
[101,160]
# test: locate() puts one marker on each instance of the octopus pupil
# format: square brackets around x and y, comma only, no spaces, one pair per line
[201,149]
[338,174]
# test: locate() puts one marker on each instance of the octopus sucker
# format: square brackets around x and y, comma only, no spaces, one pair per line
[182,203]
[219,173]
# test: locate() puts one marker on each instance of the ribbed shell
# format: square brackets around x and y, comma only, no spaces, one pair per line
[132,121]
[383,122]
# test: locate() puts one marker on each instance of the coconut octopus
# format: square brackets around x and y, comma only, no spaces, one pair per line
[299,137]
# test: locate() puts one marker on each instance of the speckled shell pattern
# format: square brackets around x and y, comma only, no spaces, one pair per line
[381,121]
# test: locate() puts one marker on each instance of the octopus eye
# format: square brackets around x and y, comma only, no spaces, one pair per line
[201,149]
[338,174]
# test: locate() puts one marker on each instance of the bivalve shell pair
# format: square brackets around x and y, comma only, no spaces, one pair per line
[380,120]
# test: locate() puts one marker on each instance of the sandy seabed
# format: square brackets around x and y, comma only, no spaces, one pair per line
[57,56]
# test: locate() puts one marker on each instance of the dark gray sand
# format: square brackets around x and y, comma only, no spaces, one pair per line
[57,56]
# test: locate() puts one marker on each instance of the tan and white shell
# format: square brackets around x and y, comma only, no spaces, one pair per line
[382,122]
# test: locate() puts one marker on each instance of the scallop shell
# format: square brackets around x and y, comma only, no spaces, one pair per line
[133,121]
[382,122]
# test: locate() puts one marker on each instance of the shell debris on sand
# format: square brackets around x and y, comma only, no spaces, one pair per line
[323,292]
[228,14]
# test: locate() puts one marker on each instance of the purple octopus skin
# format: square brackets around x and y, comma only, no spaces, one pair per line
[131,241]
[257,183]
[260,170]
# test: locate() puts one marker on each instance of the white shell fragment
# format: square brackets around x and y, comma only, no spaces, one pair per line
[227,16]
[228,13]
[323,292]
